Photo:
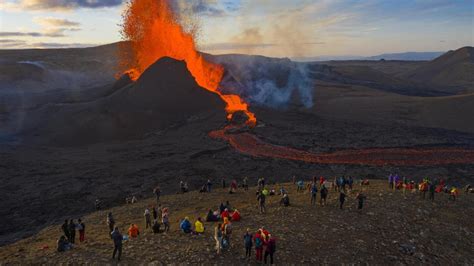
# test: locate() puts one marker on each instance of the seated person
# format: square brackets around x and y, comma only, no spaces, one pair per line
[225,214]
[282,191]
[285,200]
[133,231]
[203,189]
[235,215]
[185,226]
[211,217]
[272,192]
[63,244]
[156,227]
[199,226]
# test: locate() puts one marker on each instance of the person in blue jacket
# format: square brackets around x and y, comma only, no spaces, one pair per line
[186,226]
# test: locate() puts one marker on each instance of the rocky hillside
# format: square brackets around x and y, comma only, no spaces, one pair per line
[392,228]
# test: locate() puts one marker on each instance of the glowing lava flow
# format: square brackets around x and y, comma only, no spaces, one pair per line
[154,32]
[249,144]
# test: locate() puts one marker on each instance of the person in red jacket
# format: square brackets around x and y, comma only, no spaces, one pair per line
[225,214]
[321,180]
[235,215]
[258,241]
[270,247]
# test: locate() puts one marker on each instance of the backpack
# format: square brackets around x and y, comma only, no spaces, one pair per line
[258,242]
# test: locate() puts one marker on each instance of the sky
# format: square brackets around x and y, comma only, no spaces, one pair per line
[279,28]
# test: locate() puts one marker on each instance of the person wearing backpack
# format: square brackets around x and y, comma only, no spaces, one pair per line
[248,244]
[81,227]
[258,239]
[261,202]
[314,193]
[218,238]
[270,248]
[227,232]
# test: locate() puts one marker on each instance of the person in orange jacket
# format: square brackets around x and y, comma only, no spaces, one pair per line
[133,231]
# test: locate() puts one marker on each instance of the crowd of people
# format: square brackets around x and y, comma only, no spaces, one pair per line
[156,218]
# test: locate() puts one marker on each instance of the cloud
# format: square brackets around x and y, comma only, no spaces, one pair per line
[58,5]
[212,8]
[55,22]
[11,43]
[20,44]
[31,34]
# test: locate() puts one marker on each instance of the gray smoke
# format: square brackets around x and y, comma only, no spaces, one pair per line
[266,81]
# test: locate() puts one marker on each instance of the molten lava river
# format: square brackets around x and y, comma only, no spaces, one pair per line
[154,32]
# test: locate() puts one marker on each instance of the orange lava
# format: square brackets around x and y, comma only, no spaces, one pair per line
[155,32]
[250,144]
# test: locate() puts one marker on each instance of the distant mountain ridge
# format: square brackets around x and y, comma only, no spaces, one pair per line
[407,56]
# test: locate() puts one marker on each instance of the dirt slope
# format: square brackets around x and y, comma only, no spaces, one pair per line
[453,69]
[393,228]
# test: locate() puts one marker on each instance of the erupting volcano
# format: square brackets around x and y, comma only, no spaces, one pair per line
[155,32]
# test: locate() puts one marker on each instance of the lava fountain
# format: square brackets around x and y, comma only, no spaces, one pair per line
[154,32]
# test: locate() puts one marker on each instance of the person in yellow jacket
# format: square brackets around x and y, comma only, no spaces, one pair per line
[199,226]
[453,193]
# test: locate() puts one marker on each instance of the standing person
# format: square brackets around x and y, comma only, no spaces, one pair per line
[233,186]
[157,192]
[153,211]
[147,216]
[223,182]
[335,184]
[321,180]
[209,185]
[165,220]
[65,228]
[360,198]
[110,222]
[248,237]
[258,239]
[270,248]
[261,202]
[245,184]
[218,238]
[82,230]
[390,181]
[342,198]
[117,238]
[324,194]
[314,193]
[182,186]
[72,231]
[227,232]
[350,182]
[432,190]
